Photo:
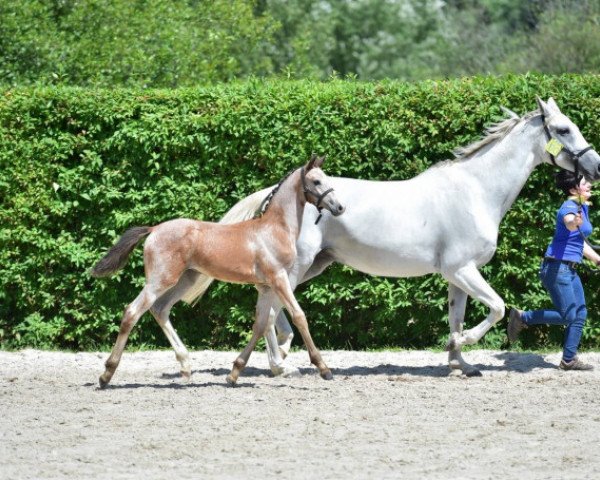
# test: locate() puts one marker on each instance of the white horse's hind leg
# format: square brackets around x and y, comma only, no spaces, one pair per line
[470,281]
[457,302]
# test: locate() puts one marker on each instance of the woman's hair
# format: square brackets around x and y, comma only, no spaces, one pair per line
[566,180]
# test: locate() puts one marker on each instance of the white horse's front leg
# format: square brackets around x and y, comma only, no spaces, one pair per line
[457,302]
[276,361]
[470,281]
[285,334]
[274,352]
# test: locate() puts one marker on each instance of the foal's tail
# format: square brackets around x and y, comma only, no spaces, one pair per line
[243,210]
[116,257]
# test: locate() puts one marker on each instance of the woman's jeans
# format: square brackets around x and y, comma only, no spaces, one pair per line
[566,291]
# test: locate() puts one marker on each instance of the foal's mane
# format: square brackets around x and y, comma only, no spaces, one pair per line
[494,132]
[266,203]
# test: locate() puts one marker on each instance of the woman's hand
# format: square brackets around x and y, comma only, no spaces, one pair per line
[590,254]
[573,221]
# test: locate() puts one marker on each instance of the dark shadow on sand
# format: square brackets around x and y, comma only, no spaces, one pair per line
[513,362]
[172,386]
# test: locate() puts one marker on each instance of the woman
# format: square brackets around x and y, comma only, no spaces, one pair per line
[559,271]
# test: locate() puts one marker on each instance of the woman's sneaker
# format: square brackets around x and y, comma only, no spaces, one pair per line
[515,325]
[575,364]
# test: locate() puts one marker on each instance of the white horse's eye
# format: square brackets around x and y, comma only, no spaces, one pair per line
[562,131]
[317,182]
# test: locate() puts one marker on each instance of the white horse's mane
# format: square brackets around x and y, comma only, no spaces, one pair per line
[497,131]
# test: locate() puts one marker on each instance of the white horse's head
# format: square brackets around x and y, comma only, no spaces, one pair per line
[565,145]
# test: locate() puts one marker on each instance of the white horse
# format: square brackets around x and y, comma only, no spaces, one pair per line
[444,221]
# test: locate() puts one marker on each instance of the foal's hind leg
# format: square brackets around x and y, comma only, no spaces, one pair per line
[457,302]
[160,310]
[263,308]
[132,314]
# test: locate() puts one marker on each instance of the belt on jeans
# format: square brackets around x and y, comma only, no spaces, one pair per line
[566,262]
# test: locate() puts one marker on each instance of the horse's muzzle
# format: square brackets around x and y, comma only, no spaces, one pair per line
[338,210]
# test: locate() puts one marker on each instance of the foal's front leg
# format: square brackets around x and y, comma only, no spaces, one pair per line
[281,286]
[261,319]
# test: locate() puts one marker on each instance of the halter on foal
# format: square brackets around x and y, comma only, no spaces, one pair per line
[261,251]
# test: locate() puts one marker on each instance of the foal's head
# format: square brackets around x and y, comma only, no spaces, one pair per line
[317,187]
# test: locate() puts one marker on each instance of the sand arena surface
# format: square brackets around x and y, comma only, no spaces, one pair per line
[385,415]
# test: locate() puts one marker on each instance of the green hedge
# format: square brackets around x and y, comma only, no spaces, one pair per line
[79,166]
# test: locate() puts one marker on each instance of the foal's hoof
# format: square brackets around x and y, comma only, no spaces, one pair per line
[230,380]
[103,383]
[327,375]
[186,376]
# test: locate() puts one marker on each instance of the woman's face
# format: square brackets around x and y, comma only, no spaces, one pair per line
[584,190]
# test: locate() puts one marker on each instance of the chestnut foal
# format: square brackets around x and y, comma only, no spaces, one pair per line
[261,251]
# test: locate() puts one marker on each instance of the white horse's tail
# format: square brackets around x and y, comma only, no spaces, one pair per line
[243,210]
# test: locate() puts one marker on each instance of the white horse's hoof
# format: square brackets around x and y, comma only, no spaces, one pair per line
[464,369]
[291,372]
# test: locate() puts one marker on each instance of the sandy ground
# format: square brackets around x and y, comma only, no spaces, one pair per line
[385,415]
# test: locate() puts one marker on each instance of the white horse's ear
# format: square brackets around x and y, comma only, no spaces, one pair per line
[509,112]
[552,105]
[544,107]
